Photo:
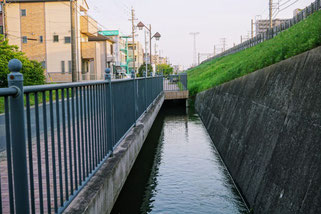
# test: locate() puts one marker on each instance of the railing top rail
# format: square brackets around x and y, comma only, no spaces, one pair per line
[41,88]
[8,92]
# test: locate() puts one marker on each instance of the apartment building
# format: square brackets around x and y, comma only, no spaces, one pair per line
[263,25]
[42,30]
[138,54]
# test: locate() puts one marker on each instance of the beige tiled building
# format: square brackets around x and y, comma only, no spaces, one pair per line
[139,54]
[42,30]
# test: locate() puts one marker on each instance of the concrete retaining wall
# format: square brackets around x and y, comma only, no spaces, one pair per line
[100,194]
[267,128]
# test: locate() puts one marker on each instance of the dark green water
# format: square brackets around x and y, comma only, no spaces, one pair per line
[178,171]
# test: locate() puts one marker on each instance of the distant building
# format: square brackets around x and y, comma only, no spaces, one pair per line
[139,54]
[97,54]
[41,29]
[263,25]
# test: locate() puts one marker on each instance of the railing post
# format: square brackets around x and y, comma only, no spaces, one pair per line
[15,80]
[111,115]
[145,76]
[134,89]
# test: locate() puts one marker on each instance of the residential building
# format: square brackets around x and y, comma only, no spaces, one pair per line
[42,30]
[264,24]
[97,54]
[139,54]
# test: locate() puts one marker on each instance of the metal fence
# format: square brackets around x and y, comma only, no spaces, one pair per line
[57,136]
[271,33]
[175,82]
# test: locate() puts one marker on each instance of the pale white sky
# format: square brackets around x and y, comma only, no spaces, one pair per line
[175,19]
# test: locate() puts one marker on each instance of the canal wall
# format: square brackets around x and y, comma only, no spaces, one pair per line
[267,128]
[101,193]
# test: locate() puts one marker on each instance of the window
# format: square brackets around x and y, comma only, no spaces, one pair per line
[69,66]
[111,49]
[55,38]
[62,66]
[41,39]
[23,12]
[24,39]
[1,29]
[67,39]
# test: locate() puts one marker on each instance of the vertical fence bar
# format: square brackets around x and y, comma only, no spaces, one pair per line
[44,115]
[69,143]
[15,79]
[82,103]
[32,193]
[53,148]
[74,141]
[111,126]
[78,136]
[87,128]
[65,142]
[9,158]
[134,90]
[39,153]
[59,149]
[108,107]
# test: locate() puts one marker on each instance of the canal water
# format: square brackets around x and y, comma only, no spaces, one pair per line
[178,171]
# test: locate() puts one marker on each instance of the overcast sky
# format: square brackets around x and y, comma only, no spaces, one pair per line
[175,19]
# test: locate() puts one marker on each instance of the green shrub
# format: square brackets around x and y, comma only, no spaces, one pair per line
[302,37]
[32,71]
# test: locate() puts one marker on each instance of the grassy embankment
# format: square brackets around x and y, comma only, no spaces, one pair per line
[301,37]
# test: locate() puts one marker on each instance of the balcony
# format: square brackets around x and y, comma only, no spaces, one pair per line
[110,58]
[88,26]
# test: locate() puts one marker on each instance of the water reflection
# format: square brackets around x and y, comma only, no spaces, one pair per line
[178,171]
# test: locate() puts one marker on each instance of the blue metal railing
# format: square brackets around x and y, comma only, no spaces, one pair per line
[57,142]
[176,82]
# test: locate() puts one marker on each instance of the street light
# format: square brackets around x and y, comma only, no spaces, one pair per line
[157,36]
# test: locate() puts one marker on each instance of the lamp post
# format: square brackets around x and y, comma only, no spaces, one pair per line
[157,36]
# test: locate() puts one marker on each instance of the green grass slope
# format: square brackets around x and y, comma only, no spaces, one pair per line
[301,37]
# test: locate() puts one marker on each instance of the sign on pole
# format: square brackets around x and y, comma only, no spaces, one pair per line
[109,33]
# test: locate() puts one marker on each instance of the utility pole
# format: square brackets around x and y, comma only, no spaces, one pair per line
[223,43]
[133,36]
[194,34]
[150,44]
[241,39]
[214,50]
[199,58]
[73,43]
[252,28]
[271,13]
[4,17]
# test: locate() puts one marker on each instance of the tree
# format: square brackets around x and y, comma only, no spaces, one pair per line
[164,69]
[142,69]
[33,73]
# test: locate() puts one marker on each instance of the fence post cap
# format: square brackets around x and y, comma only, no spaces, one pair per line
[15,65]
[107,70]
